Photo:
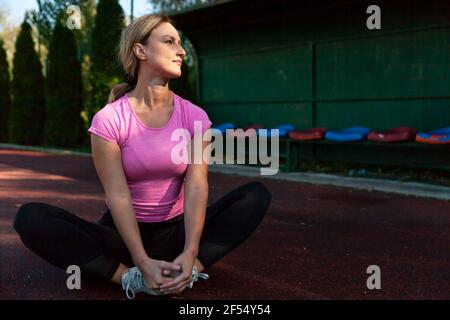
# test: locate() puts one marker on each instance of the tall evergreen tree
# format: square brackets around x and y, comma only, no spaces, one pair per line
[27,115]
[45,18]
[63,124]
[178,5]
[5,96]
[106,70]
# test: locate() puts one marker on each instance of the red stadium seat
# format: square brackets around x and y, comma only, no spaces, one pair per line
[399,134]
[310,134]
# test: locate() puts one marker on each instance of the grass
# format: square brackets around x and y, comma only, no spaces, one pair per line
[404,174]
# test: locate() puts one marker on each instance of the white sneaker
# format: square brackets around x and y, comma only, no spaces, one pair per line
[133,282]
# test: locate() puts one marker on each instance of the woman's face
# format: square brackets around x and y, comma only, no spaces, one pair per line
[162,53]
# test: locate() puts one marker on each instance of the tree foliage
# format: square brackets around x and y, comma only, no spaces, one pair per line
[63,126]
[27,113]
[177,5]
[45,18]
[105,68]
[5,96]
[8,34]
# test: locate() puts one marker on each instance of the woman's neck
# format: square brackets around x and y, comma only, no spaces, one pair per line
[152,94]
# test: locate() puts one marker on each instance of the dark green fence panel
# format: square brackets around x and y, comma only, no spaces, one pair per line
[384,114]
[275,75]
[252,37]
[298,114]
[408,64]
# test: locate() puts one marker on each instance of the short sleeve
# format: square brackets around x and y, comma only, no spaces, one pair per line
[198,116]
[106,124]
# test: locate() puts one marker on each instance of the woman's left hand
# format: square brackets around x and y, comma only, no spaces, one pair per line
[183,278]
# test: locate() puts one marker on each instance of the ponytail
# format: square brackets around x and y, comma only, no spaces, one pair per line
[119,90]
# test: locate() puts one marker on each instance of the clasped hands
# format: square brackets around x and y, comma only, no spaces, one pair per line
[170,278]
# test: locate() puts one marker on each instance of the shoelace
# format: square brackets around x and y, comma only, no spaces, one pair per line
[136,279]
[197,275]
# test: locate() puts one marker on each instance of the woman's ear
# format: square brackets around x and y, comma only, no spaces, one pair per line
[139,51]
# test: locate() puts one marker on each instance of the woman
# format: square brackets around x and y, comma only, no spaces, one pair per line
[157,233]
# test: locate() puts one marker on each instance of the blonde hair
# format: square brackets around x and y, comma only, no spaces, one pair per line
[137,31]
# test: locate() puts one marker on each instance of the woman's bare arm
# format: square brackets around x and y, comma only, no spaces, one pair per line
[195,203]
[196,199]
[108,164]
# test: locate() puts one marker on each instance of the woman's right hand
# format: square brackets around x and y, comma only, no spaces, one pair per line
[152,270]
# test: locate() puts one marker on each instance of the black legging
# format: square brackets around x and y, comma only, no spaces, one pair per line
[64,239]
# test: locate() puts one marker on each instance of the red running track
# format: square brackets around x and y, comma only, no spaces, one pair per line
[316,242]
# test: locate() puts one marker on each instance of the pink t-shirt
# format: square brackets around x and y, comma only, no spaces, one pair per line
[155,182]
